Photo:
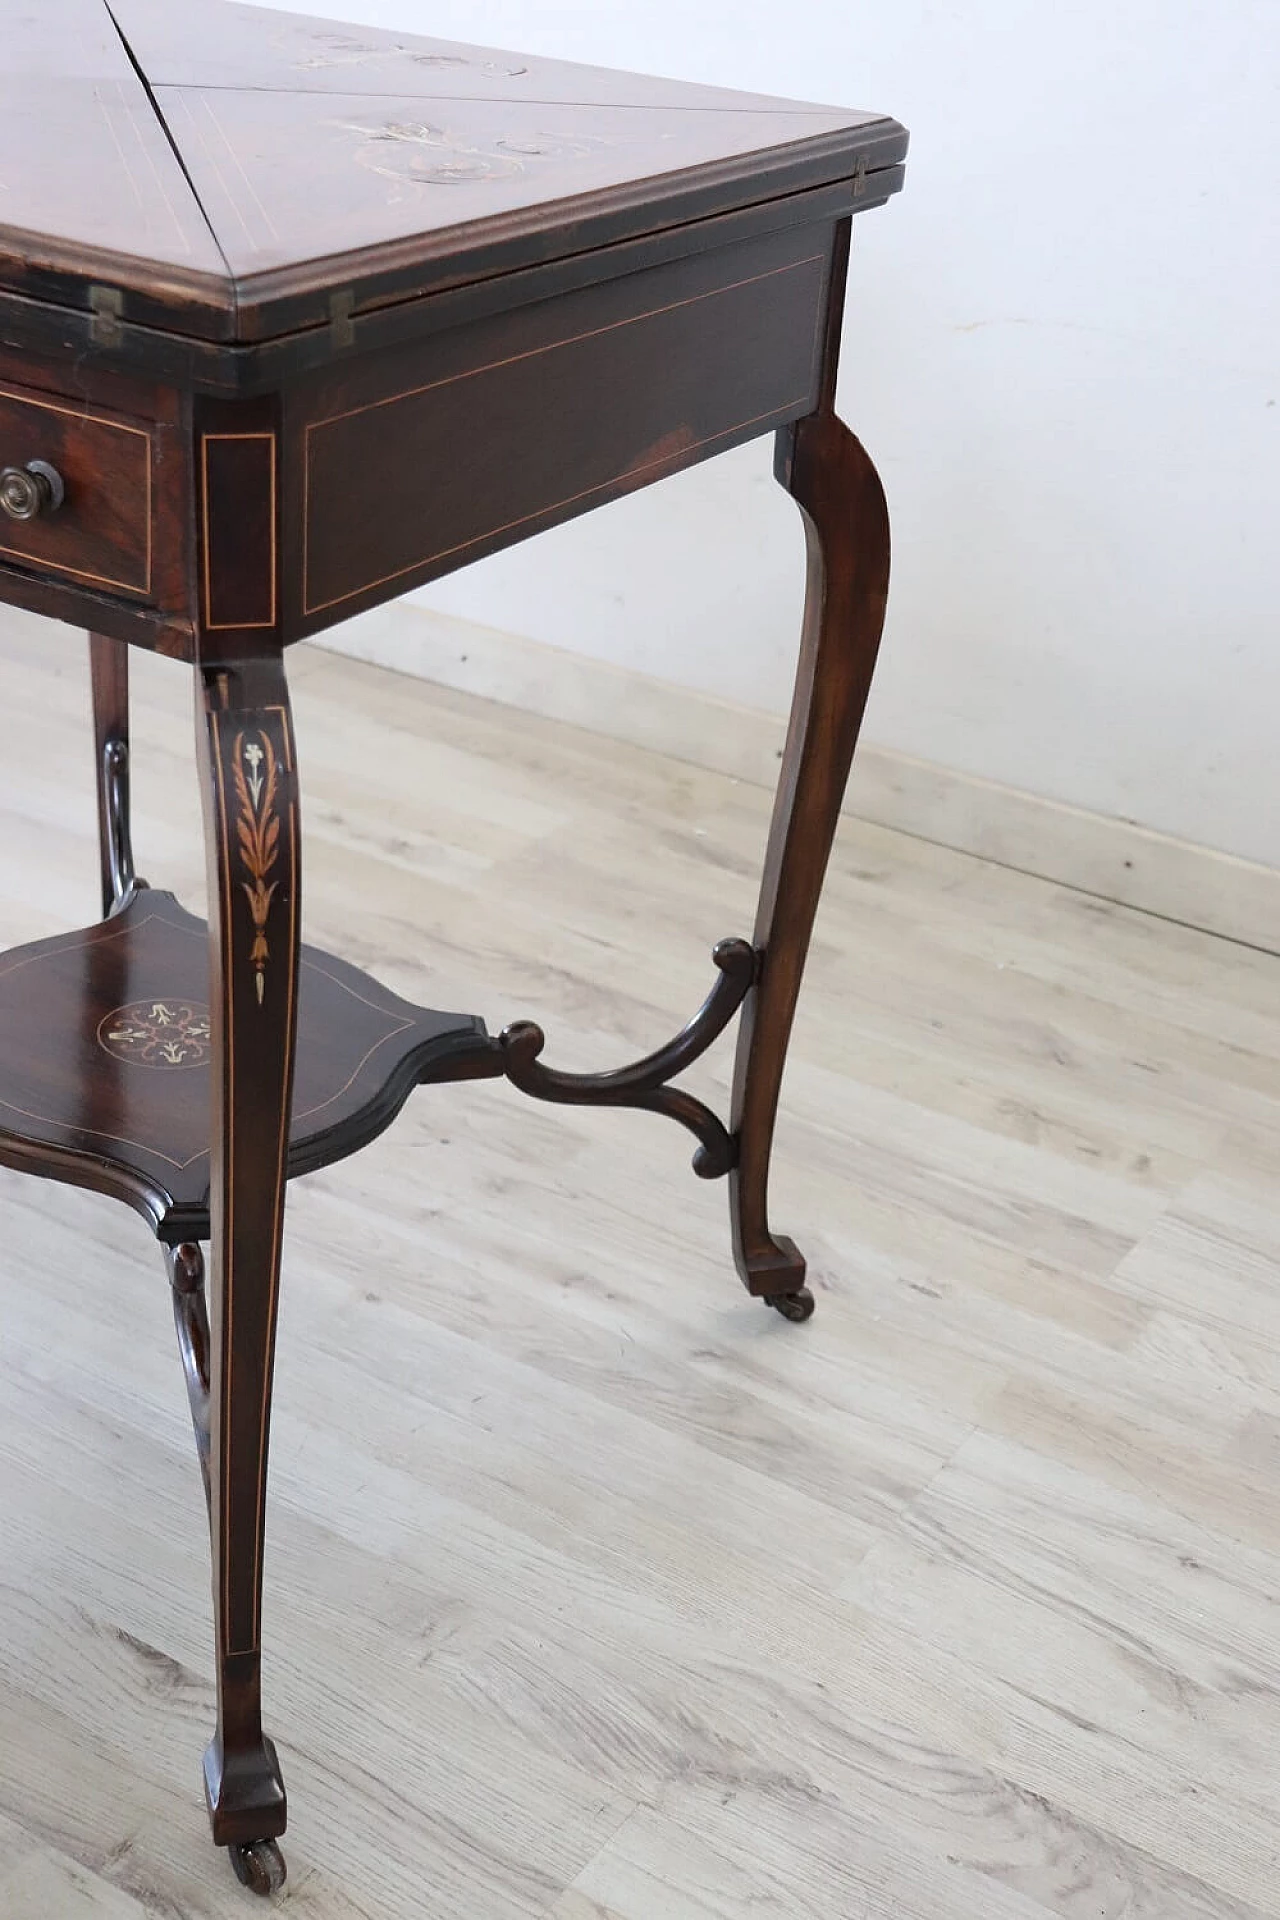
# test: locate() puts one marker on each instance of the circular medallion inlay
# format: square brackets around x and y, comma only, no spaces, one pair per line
[158,1033]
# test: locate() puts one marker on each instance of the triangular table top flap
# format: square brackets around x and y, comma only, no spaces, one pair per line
[210,43]
[286,178]
[61,40]
[231,172]
[90,188]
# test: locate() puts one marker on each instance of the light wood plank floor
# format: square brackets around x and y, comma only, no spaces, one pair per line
[596,1592]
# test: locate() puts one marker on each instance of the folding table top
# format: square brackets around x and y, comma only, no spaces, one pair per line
[225,171]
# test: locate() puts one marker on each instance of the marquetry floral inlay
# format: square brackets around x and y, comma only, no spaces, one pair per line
[426,155]
[349,50]
[158,1033]
[257,782]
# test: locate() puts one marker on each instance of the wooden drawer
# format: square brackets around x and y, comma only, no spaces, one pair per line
[103,536]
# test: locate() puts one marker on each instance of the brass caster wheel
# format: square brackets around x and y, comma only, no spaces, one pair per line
[259,1866]
[792,1306]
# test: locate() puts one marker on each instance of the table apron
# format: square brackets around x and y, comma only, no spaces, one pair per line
[400,469]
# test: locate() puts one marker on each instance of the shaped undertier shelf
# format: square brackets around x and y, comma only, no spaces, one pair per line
[105,1050]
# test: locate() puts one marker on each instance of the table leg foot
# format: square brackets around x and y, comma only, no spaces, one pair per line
[769,1267]
[833,482]
[260,1866]
[244,1790]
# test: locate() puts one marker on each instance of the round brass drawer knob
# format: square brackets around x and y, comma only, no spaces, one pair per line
[27,492]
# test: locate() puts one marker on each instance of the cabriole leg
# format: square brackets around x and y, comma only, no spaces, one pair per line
[834,484]
[252,839]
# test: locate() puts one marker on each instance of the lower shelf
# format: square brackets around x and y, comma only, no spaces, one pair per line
[105,1051]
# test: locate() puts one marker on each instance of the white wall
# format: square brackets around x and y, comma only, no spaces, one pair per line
[1063,348]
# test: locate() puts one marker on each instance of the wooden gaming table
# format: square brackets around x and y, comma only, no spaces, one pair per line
[295,317]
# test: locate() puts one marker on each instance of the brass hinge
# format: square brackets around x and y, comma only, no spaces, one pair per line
[107,307]
[341,307]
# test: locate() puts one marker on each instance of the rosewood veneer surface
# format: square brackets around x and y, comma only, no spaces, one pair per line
[295,316]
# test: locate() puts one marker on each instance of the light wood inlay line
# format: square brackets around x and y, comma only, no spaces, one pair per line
[282,1140]
[238,164]
[568,340]
[309,1113]
[783,410]
[224,1062]
[234,723]
[236,626]
[106,935]
[180,102]
[136,126]
[655,467]
[27,559]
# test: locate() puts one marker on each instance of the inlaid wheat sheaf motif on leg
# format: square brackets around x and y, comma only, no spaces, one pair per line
[257,778]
